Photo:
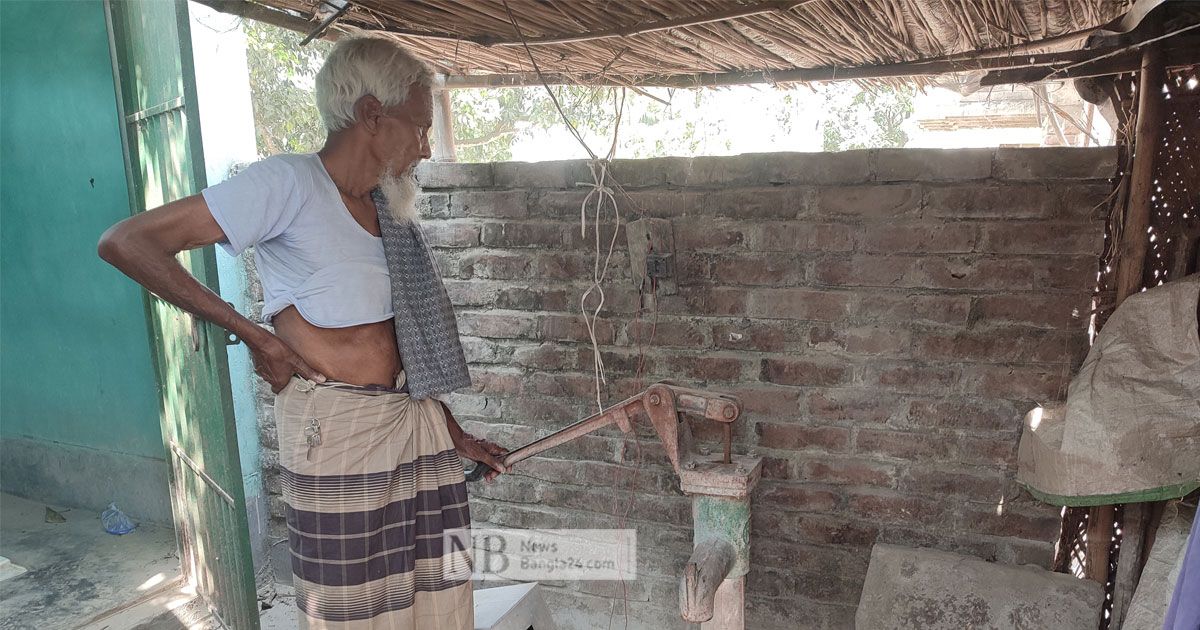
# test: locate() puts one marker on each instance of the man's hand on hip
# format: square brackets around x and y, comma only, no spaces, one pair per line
[276,362]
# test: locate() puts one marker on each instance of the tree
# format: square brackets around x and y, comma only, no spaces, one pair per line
[281,87]
[487,122]
[866,118]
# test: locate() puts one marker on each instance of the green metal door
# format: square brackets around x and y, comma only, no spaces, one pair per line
[153,63]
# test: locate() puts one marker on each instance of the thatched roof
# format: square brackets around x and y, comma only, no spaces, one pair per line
[631,41]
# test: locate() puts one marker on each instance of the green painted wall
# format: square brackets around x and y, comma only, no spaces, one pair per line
[75,359]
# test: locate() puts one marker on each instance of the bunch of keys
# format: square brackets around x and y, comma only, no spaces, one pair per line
[312,435]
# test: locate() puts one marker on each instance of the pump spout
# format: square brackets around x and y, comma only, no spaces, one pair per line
[702,576]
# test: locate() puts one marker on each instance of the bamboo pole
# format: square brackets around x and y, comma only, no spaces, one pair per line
[443,127]
[1135,241]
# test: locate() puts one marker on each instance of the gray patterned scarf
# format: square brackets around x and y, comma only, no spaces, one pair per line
[426,331]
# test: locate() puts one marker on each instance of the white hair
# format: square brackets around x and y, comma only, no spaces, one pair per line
[361,65]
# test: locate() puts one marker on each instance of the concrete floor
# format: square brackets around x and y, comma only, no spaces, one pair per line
[76,570]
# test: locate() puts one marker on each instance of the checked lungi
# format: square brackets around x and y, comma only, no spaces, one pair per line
[371,482]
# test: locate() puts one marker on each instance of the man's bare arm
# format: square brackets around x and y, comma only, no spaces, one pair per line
[144,246]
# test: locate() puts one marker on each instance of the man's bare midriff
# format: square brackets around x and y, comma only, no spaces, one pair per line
[362,355]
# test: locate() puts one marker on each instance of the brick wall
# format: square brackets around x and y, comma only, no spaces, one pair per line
[886,317]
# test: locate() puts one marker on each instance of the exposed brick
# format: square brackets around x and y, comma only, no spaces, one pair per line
[777,468]
[551,174]
[509,234]
[666,333]
[575,328]
[508,204]
[852,471]
[922,237]
[651,172]
[714,300]
[497,324]
[561,266]
[912,378]
[496,382]
[779,168]
[454,175]
[543,413]
[1055,163]
[495,266]
[1063,272]
[981,484]
[707,368]
[914,446]
[904,307]
[798,437]
[751,335]
[546,356]
[1041,525]
[803,372]
[651,203]
[884,505]
[693,233]
[853,405]
[1002,344]
[433,205]
[797,496]
[796,236]
[1041,237]
[768,401]
[876,341]
[870,202]
[1057,311]
[757,269]
[470,292]
[803,304]
[759,203]
[999,201]
[529,299]
[989,451]
[451,234]
[927,272]
[563,385]
[932,164]
[482,350]
[944,413]
[1024,382]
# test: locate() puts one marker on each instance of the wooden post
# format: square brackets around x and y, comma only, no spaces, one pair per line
[443,124]
[1134,239]
[1130,265]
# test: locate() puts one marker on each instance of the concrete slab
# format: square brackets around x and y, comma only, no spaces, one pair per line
[927,589]
[76,570]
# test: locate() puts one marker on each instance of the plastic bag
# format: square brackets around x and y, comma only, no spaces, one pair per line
[115,521]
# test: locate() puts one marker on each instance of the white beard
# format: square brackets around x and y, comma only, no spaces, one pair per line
[400,192]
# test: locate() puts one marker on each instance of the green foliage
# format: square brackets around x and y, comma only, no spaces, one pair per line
[488,122]
[281,88]
[866,118]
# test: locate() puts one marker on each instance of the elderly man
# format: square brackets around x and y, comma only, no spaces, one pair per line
[364,339]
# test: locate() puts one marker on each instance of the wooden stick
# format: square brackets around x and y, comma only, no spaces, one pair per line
[1099,542]
[793,75]
[684,22]
[1135,241]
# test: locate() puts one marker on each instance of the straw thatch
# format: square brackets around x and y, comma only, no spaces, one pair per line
[625,40]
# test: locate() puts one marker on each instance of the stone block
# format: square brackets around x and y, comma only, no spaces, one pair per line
[454,175]
[928,589]
[892,165]
[1055,163]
